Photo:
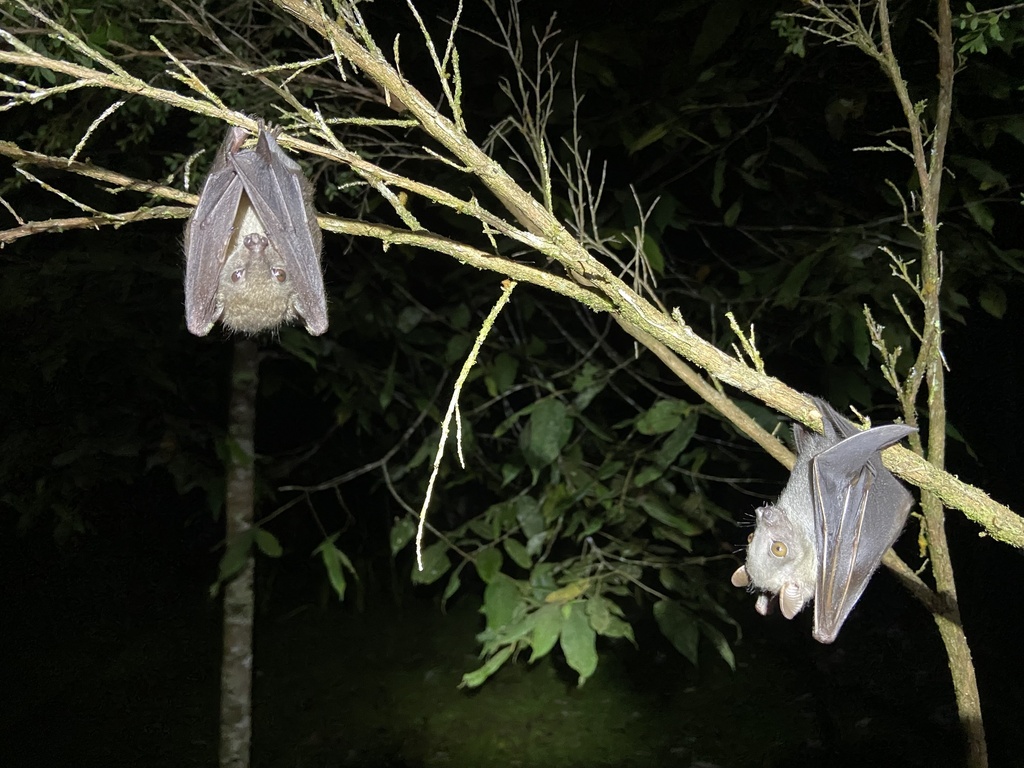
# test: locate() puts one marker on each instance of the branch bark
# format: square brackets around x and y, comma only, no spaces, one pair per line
[541,232]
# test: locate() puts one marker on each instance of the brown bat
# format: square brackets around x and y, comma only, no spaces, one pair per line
[838,514]
[252,245]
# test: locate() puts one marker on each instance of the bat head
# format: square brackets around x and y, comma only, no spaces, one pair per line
[781,559]
[256,290]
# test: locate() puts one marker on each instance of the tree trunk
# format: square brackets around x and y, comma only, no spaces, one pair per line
[236,661]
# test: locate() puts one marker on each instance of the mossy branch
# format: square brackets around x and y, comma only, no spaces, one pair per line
[844,24]
[592,283]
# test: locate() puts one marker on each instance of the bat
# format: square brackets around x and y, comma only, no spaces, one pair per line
[252,245]
[825,536]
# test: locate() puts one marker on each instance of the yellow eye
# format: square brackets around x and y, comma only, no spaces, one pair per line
[750,538]
[779,548]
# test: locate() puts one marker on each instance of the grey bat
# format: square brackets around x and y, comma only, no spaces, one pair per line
[838,514]
[252,245]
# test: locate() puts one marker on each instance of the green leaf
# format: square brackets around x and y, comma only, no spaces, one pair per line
[663,416]
[988,177]
[669,534]
[401,534]
[236,555]
[732,215]
[993,300]
[454,582]
[655,258]
[477,677]
[789,291]
[980,212]
[267,543]
[547,626]
[719,117]
[501,599]
[546,433]
[767,418]
[803,154]
[720,643]
[510,472]
[718,184]
[652,135]
[610,469]
[536,543]
[586,377]
[679,626]
[677,442]
[457,348]
[460,317]
[333,559]
[387,390]
[408,319]
[503,515]
[488,563]
[599,613]
[300,345]
[542,580]
[579,642]
[1013,125]
[648,475]
[569,592]
[435,564]
[721,21]
[529,516]
[656,507]
[619,628]
[587,393]
[502,374]
[518,553]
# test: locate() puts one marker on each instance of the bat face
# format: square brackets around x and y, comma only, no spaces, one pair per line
[838,514]
[781,560]
[252,244]
[254,289]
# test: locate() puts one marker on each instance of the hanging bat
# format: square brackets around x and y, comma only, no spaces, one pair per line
[252,245]
[838,514]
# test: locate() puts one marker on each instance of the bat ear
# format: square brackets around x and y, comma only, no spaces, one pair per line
[791,601]
[740,577]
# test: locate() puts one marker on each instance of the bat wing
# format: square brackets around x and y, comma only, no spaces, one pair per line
[282,199]
[208,236]
[860,509]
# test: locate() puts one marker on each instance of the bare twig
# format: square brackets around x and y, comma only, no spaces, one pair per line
[453,410]
[540,231]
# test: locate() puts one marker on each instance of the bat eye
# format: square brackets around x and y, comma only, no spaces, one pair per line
[279,274]
[750,538]
[237,275]
[779,548]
